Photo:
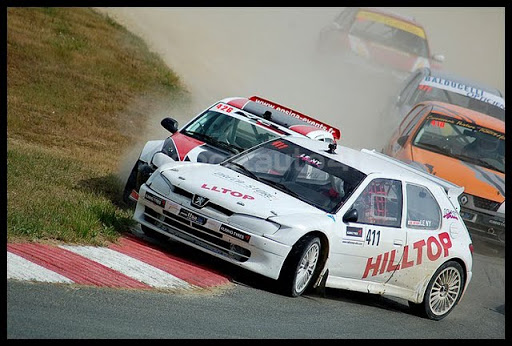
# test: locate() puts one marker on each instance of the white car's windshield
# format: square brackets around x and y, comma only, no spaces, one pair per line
[464,141]
[299,172]
[227,132]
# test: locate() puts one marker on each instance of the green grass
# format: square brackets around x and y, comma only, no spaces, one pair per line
[71,76]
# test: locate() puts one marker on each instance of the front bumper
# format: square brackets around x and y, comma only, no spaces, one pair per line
[187,224]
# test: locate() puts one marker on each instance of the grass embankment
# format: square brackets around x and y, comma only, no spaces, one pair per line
[71,76]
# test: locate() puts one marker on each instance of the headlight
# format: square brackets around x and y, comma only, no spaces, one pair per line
[169,148]
[158,183]
[501,209]
[254,225]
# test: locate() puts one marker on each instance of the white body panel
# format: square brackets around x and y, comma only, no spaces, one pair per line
[400,263]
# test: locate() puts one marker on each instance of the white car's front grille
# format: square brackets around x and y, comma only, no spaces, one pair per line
[216,207]
[195,233]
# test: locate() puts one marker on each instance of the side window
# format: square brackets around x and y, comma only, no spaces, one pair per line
[412,119]
[423,212]
[380,203]
[204,122]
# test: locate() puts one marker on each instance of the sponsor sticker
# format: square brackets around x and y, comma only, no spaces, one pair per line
[355,231]
[352,242]
[310,160]
[192,217]
[235,233]
[450,214]
[422,223]
[226,191]
[155,199]
[462,89]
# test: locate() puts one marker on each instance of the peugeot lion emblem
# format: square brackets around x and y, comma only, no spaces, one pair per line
[199,201]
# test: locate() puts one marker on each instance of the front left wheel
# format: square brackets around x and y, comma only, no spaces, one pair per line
[301,269]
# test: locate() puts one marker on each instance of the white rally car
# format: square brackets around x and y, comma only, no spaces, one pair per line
[227,127]
[309,214]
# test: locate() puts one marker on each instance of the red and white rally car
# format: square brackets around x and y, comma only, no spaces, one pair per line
[227,127]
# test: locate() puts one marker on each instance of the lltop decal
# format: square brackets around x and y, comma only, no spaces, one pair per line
[386,262]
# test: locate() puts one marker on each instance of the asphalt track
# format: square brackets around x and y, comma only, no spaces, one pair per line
[139,288]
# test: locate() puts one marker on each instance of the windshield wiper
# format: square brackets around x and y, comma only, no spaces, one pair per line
[198,135]
[232,148]
[432,146]
[481,162]
[213,141]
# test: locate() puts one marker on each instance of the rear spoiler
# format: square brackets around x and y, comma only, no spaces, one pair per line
[336,133]
[452,190]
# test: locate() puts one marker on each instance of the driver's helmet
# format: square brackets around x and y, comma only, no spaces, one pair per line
[487,143]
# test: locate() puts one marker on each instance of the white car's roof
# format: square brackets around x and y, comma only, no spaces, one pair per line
[360,160]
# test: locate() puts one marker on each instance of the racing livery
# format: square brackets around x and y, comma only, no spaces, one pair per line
[227,127]
[310,214]
[426,84]
[380,37]
[462,146]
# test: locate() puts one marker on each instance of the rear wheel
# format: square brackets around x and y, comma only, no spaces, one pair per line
[301,267]
[443,292]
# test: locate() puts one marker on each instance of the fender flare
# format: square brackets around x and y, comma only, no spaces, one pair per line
[150,148]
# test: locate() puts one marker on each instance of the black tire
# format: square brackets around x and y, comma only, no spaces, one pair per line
[130,185]
[443,292]
[301,269]
[151,233]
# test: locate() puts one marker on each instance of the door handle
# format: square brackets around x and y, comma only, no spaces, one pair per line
[398,242]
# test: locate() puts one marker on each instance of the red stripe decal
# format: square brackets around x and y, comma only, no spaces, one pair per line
[75,267]
[184,144]
[304,129]
[238,103]
[152,255]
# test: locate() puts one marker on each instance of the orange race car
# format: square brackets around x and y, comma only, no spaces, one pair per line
[465,147]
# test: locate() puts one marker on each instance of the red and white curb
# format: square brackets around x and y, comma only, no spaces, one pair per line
[132,263]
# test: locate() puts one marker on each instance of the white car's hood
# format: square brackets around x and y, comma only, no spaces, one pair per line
[234,191]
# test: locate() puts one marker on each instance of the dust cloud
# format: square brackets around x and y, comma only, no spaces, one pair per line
[270,52]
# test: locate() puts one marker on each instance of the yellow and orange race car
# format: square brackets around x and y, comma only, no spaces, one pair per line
[377,37]
[462,146]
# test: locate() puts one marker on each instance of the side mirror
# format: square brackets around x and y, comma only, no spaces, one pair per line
[159,159]
[350,216]
[170,124]
[438,57]
[401,141]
